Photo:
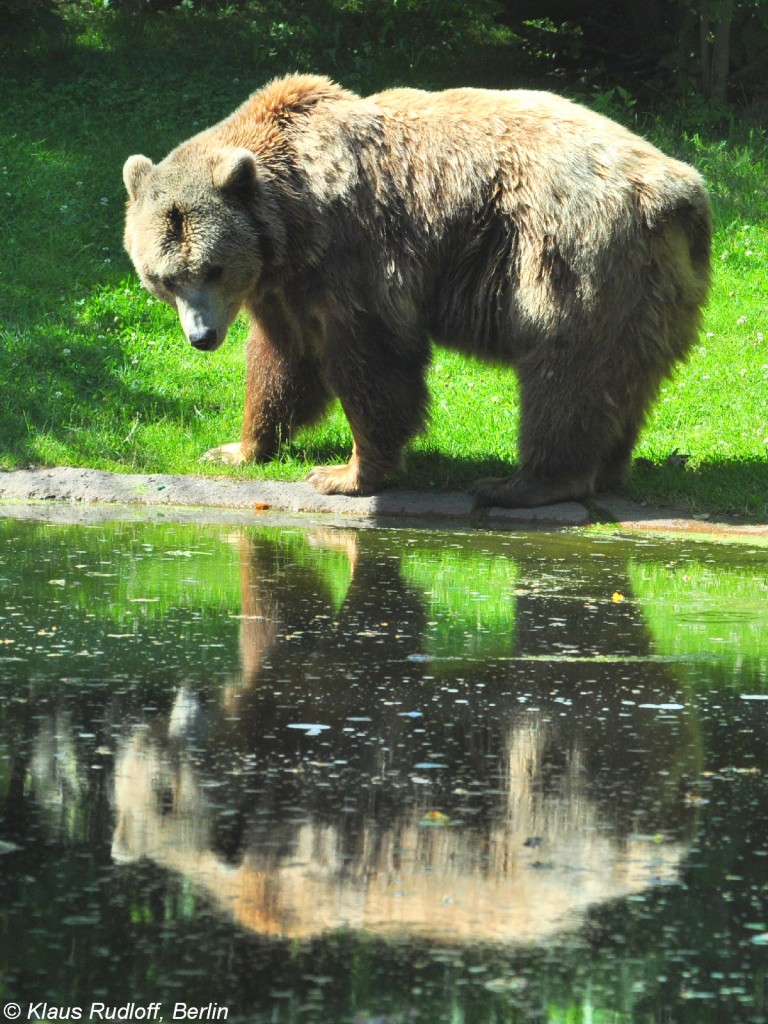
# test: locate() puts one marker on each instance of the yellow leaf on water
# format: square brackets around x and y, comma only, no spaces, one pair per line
[435,818]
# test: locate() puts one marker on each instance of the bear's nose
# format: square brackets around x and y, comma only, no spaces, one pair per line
[204,339]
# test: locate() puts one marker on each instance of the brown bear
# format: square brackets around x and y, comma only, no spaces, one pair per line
[518,227]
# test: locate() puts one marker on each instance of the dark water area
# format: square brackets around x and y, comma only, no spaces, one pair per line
[333,775]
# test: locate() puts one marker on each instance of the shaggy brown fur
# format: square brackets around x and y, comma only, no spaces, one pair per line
[515,226]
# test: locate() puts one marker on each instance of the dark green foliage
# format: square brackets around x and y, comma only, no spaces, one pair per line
[26,23]
[716,47]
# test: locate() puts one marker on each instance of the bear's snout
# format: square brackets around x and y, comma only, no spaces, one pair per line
[205,340]
[203,316]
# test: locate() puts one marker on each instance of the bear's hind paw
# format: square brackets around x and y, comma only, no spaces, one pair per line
[516,492]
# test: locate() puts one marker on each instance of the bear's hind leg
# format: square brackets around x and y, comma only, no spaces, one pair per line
[566,429]
[283,392]
[616,464]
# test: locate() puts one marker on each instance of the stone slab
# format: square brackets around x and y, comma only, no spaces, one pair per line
[629,515]
[92,485]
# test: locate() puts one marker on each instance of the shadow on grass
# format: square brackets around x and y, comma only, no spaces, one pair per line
[443,472]
[727,488]
[722,490]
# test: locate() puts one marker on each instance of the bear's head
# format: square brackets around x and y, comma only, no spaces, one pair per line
[195,235]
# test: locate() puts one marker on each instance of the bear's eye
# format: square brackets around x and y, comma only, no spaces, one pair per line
[175,220]
[214,274]
[169,283]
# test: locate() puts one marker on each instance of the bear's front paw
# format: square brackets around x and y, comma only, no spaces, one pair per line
[226,454]
[337,480]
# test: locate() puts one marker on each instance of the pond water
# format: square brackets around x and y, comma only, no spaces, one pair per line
[320,774]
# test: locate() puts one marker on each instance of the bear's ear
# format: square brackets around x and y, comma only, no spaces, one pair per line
[237,172]
[135,170]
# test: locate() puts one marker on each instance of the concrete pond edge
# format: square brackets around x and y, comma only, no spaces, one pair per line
[93,487]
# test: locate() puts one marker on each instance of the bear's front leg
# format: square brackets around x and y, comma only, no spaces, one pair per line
[284,391]
[381,384]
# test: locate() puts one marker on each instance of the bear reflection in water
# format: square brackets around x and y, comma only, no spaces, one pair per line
[348,779]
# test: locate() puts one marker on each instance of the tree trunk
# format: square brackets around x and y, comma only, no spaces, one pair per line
[716,17]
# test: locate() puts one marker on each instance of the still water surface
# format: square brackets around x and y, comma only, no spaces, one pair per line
[381,776]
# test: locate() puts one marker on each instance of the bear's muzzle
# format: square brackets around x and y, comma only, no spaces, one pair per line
[206,340]
[204,317]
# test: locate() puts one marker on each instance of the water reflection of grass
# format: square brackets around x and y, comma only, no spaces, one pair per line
[470,600]
[161,566]
[131,572]
[702,609]
[115,567]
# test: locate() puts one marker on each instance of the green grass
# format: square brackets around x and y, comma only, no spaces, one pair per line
[95,373]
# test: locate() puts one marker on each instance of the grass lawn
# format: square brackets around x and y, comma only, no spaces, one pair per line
[96,373]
